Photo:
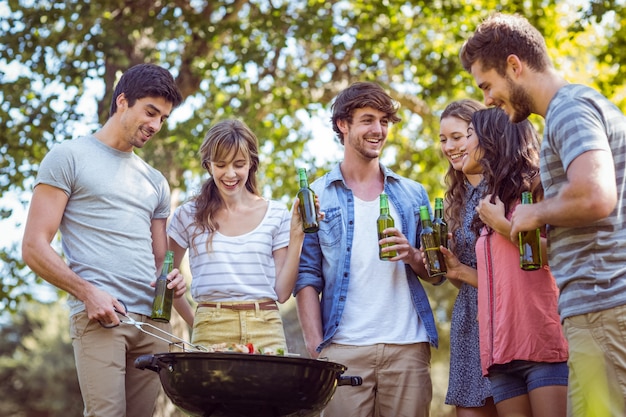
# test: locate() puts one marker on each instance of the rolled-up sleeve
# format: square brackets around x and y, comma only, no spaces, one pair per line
[310,270]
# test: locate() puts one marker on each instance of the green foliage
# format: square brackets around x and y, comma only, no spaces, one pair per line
[271,64]
[268,63]
[37,371]
[15,274]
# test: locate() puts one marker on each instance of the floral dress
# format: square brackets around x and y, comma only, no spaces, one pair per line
[466,385]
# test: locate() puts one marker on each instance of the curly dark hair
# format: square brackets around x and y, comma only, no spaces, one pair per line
[510,158]
[501,35]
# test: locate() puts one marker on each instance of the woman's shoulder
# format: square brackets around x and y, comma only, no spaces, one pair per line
[186,211]
[277,205]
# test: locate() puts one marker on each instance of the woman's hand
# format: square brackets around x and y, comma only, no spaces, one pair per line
[296,217]
[457,270]
[492,214]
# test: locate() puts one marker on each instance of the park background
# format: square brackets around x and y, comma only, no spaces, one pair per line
[275,64]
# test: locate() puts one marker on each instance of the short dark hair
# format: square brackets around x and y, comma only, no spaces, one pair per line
[358,96]
[146,80]
[501,35]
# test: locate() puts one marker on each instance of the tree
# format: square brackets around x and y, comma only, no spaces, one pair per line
[272,63]
[258,60]
[37,371]
[262,61]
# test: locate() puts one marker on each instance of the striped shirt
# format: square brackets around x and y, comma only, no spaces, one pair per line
[588,262]
[236,268]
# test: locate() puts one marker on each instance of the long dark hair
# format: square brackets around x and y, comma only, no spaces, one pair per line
[510,158]
[456,186]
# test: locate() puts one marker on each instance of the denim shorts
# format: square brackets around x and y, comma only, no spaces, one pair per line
[519,377]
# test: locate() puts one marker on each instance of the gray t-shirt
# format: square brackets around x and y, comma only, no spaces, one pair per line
[588,263]
[105,229]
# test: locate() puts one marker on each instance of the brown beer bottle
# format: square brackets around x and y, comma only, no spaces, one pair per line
[383,222]
[529,243]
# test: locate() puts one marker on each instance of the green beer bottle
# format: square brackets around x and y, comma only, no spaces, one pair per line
[430,243]
[439,224]
[162,304]
[529,243]
[383,222]
[306,204]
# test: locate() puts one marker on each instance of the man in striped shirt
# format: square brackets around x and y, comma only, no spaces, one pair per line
[582,171]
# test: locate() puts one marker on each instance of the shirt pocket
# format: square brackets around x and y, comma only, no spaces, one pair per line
[331,227]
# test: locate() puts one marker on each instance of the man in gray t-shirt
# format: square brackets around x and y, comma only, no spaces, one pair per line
[582,173]
[111,208]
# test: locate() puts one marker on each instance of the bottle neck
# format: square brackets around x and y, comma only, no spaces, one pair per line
[425,217]
[168,265]
[304,183]
[384,204]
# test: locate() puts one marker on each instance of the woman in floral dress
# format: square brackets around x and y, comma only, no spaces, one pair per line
[468,390]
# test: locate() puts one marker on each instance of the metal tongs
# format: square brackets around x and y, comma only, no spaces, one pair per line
[179,343]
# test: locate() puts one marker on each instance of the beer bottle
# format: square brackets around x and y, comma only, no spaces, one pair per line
[384,221]
[306,204]
[430,243]
[439,225]
[162,304]
[529,243]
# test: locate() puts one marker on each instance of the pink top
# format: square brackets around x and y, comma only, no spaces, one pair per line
[517,310]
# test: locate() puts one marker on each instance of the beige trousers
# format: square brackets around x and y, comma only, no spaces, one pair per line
[110,384]
[396,381]
[597,363]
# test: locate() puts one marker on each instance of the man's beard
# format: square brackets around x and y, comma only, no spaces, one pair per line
[521,102]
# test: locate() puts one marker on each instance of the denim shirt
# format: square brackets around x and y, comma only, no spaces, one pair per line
[325,259]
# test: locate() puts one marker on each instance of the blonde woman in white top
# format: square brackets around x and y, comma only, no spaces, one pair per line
[244,250]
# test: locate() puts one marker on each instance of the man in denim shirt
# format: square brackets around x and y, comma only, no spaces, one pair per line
[374,316]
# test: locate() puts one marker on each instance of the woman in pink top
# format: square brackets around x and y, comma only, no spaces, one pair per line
[522,347]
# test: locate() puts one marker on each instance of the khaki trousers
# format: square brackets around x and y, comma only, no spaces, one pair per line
[396,381]
[110,384]
[597,363]
[215,325]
